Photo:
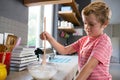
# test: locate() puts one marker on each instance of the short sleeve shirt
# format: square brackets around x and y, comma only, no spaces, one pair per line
[99,48]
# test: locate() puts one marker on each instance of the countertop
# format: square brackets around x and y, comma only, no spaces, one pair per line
[67,67]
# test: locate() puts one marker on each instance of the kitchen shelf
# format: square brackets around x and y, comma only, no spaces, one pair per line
[67,29]
[74,7]
[43,2]
[69,16]
[71,3]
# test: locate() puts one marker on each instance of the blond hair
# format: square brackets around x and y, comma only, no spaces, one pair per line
[99,9]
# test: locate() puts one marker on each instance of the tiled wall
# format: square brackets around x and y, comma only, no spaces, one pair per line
[15,27]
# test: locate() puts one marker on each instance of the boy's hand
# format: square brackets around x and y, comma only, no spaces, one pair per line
[43,36]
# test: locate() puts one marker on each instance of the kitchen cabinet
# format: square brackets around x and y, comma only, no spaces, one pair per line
[67,15]
[116,30]
[70,16]
[113,30]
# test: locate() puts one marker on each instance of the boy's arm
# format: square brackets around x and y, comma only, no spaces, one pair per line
[58,47]
[87,69]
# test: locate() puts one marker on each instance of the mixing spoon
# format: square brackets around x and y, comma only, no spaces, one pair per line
[44,55]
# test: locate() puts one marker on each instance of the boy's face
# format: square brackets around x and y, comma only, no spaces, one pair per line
[92,26]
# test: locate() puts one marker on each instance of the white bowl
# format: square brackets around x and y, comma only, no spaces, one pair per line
[42,72]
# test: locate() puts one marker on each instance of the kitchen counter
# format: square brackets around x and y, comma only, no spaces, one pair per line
[67,67]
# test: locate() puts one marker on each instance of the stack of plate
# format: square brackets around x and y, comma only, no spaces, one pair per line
[21,57]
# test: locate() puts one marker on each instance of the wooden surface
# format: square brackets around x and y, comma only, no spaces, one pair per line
[69,16]
[67,29]
[74,7]
[43,2]
[66,71]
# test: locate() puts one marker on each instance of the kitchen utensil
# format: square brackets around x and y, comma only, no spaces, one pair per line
[3,49]
[10,44]
[3,59]
[6,54]
[44,55]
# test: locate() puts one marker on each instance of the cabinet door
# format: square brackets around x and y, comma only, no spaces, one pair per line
[116,30]
[113,30]
[116,51]
[108,30]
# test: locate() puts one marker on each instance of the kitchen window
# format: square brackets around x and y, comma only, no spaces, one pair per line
[36,24]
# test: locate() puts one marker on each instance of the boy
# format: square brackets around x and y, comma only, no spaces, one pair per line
[95,49]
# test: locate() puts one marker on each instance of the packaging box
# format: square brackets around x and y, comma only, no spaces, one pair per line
[66,8]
